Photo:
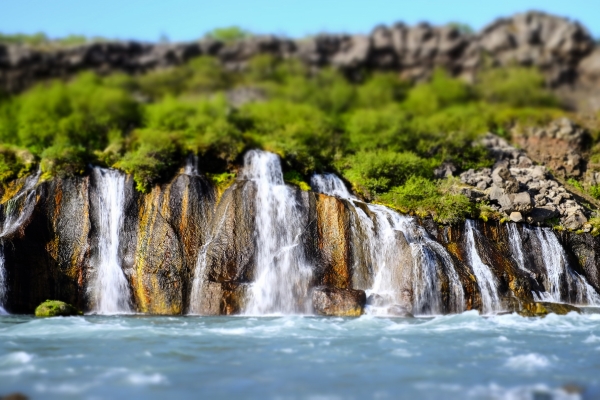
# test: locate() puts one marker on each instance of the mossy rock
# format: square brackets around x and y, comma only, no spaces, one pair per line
[542,309]
[56,308]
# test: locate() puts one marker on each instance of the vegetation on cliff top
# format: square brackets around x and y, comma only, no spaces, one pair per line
[382,134]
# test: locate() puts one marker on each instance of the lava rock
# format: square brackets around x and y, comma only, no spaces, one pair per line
[56,308]
[338,302]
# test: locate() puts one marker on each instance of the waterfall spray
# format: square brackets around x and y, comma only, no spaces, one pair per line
[384,252]
[485,278]
[108,289]
[282,274]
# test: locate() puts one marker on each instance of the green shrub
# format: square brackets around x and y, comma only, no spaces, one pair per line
[516,86]
[424,197]
[442,91]
[14,163]
[63,160]
[228,34]
[154,156]
[376,172]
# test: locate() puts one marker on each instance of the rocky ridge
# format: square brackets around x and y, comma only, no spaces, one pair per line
[561,48]
[524,191]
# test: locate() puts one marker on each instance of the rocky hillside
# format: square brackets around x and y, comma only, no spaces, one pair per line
[562,49]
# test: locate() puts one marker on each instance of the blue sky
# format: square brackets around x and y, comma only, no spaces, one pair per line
[181,20]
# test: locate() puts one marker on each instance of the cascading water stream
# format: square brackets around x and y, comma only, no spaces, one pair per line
[282,275]
[558,270]
[108,289]
[383,249]
[485,278]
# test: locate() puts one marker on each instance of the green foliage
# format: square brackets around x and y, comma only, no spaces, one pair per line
[63,160]
[228,34]
[424,197]
[156,154]
[222,181]
[382,134]
[442,91]
[22,38]
[594,191]
[199,76]
[14,163]
[56,308]
[516,86]
[576,184]
[377,172]
[296,179]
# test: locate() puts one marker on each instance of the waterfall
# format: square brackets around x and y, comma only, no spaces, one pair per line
[191,165]
[384,252]
[109,289]
[282,275]
[558,270]
[16,211]
[516,246]
[485,278]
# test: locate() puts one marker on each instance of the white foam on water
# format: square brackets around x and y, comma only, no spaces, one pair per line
[528,362]
[108,289]
[485,278]
[282,273]
[147,379]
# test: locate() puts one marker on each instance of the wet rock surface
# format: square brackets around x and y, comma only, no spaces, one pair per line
[55,308]
[51,251]
[544,308]
[338,302]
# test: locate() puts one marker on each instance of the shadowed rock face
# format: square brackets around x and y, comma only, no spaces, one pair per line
[179,229]
[49,257]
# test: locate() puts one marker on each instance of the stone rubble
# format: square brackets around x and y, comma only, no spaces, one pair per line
[521,190]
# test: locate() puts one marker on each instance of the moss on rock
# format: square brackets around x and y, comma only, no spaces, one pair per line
[544,308]
[56,308]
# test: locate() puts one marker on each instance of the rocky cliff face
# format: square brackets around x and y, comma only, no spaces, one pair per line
[562,49]
[183,250]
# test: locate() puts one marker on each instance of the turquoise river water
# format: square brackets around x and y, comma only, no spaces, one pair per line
[295,357]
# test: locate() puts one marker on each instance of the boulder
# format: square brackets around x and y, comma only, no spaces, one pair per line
[574,221]
[540,214]
[338,302]
[56,308]
[516,216]
[542,309]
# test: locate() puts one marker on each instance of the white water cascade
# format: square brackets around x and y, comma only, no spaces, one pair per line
[557,268]
[108,289]
[384,252]
[485,278]
[282,274]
